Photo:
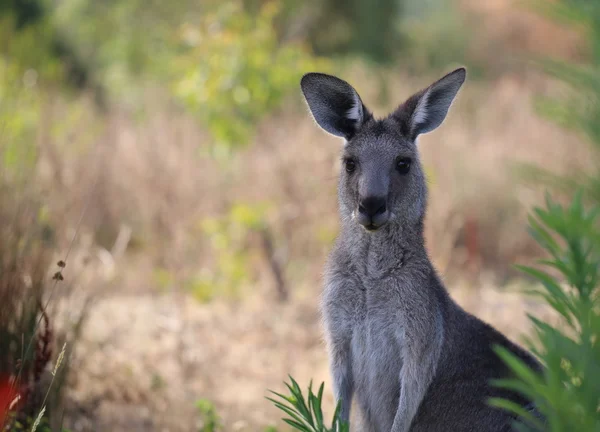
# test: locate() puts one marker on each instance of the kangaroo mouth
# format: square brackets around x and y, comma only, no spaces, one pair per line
[371,224]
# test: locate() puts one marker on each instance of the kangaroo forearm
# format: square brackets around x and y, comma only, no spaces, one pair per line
[416,375]
[343,388]
[410,398]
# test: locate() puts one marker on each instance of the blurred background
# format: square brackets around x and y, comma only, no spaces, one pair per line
[163,153]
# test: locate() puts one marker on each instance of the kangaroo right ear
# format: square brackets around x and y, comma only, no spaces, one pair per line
[427,109]
[334,104]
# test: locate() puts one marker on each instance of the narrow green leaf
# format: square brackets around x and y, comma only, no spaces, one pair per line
[297,426]
[289,411]
[523,371]
[517,409]
[318,413]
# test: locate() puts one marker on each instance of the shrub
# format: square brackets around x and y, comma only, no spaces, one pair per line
[578,108]
[233,69]
[27,338]
[210,419]
[34,347]
[306,415]
[568,393]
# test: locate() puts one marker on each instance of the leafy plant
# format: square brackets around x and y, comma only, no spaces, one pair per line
[29,425]
[306,415]
[233,69]
[567,394]
[210,419]
[578,109]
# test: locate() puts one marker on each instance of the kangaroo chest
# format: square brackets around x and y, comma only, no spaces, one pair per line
[376,353]
[376,333]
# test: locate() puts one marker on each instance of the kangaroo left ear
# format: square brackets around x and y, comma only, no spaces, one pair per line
[334,104]
[427,109]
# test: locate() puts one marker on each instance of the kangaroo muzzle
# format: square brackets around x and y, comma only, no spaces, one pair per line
[372,212]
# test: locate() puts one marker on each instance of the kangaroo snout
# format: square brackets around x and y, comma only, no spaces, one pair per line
[372,212]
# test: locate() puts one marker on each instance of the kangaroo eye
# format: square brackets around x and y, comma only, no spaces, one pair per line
[403,165]
[350,165]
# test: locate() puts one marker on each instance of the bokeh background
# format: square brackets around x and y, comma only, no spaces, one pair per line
[163,152]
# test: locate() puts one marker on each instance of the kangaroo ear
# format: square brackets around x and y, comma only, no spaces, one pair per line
[334,104]
[426,110]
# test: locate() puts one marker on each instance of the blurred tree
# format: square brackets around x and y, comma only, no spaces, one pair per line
[25,11]
[436,34]
[28,13]
[230,62]
[580,109]
[567,394]
[367,28]
[224,60]
[428,33]
[340,27]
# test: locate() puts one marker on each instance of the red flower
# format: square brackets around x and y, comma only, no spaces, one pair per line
[8,394]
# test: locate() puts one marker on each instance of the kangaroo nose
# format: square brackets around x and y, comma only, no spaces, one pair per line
[372,206]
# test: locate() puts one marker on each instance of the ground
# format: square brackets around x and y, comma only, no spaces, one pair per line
[145,359]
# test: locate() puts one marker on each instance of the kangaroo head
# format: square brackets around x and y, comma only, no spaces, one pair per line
[382,179]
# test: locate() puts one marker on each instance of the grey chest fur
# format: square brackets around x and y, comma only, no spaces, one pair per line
[375,352]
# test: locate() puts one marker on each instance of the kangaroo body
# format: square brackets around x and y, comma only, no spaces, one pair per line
[413,359]
[381,321]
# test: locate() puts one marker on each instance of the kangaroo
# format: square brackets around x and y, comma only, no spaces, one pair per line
[415,360]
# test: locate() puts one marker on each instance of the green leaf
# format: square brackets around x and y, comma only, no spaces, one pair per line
[319,402]
[522,371]
[517,409]
[297,426]
[316,409]
[289,411]
[300,403]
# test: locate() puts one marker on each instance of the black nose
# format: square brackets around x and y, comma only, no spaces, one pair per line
[372,206]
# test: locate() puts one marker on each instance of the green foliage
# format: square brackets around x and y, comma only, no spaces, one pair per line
[228,237]
[32,74]
[224,61]
[368,29]
[122,42]
[306,414]
[210,419]
[27,426]
[19,102]
[568,393]
[435,33]
[231,63]
[579,109]
[35,17]
[232,69]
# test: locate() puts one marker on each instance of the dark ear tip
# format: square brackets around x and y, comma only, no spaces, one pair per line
[307,79]
[310,76]
[460,72]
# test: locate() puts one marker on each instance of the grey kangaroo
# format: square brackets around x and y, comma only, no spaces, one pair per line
[415,360]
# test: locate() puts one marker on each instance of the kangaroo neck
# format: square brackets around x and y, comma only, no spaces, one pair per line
[394,246]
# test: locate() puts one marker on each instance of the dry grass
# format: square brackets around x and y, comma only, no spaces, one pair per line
[32,285]
[161,355]
[26,331]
